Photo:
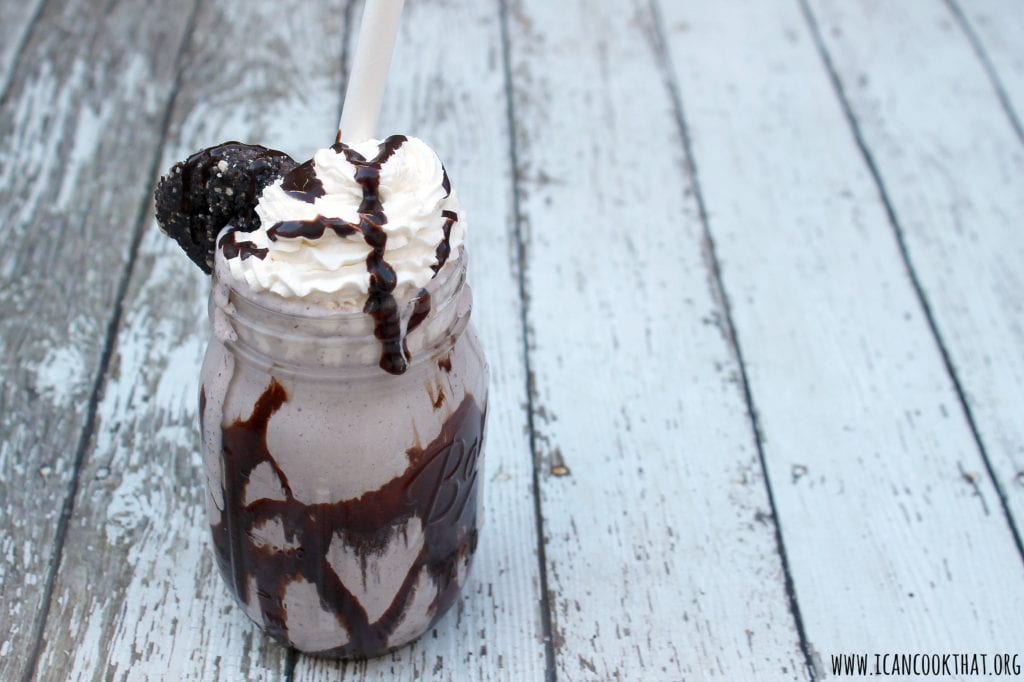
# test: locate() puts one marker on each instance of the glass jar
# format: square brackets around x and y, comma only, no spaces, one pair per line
[344,500]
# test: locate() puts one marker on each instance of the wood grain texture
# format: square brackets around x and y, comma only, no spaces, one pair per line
[16,19]
[998,25]
[658,532]
[448,88]
[77,139]
[955,180]
[893,532]
[138,595]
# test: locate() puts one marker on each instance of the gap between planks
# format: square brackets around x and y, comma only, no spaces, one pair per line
[714,266]
[990,69]
[109,342]
[517,217]
[421,98]
[922,297]
[574,116]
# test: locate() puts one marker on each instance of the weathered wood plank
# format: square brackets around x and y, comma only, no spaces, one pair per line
[138,595]
[78,135]
[997,26]
[954,177]
[893,533]
[448,88]
[659,534]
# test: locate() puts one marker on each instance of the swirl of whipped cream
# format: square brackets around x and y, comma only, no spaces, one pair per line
[309,245]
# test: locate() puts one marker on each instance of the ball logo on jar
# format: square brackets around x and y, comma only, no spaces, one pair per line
[449,480]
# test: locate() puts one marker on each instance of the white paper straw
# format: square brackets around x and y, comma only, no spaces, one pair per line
[368,77]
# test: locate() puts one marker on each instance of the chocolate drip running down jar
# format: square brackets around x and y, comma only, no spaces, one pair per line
[344,500]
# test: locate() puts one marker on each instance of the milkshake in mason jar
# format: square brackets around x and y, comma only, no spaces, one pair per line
[344,392]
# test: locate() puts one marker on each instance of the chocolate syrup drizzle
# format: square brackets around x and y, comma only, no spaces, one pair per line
[380,304]
[420,310]
[444,248]
[302,183]
[445,363]
[310,229]
[233,248]
[439,486]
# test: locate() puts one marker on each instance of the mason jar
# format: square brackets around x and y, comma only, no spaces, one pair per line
[344,500]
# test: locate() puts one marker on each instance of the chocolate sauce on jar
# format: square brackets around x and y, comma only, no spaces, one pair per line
[439,486]
[420,310]
[444,249]
[343,501]
[445,363]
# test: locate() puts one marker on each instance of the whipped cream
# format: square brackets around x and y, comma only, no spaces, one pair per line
[310,245]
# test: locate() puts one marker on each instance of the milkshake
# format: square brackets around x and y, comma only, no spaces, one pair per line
[344,392]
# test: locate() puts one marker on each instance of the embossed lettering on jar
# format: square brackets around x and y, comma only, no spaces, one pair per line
[344,500]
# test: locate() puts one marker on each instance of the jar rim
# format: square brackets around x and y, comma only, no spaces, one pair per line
[291,334]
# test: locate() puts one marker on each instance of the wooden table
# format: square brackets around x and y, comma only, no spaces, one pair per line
[749,275]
